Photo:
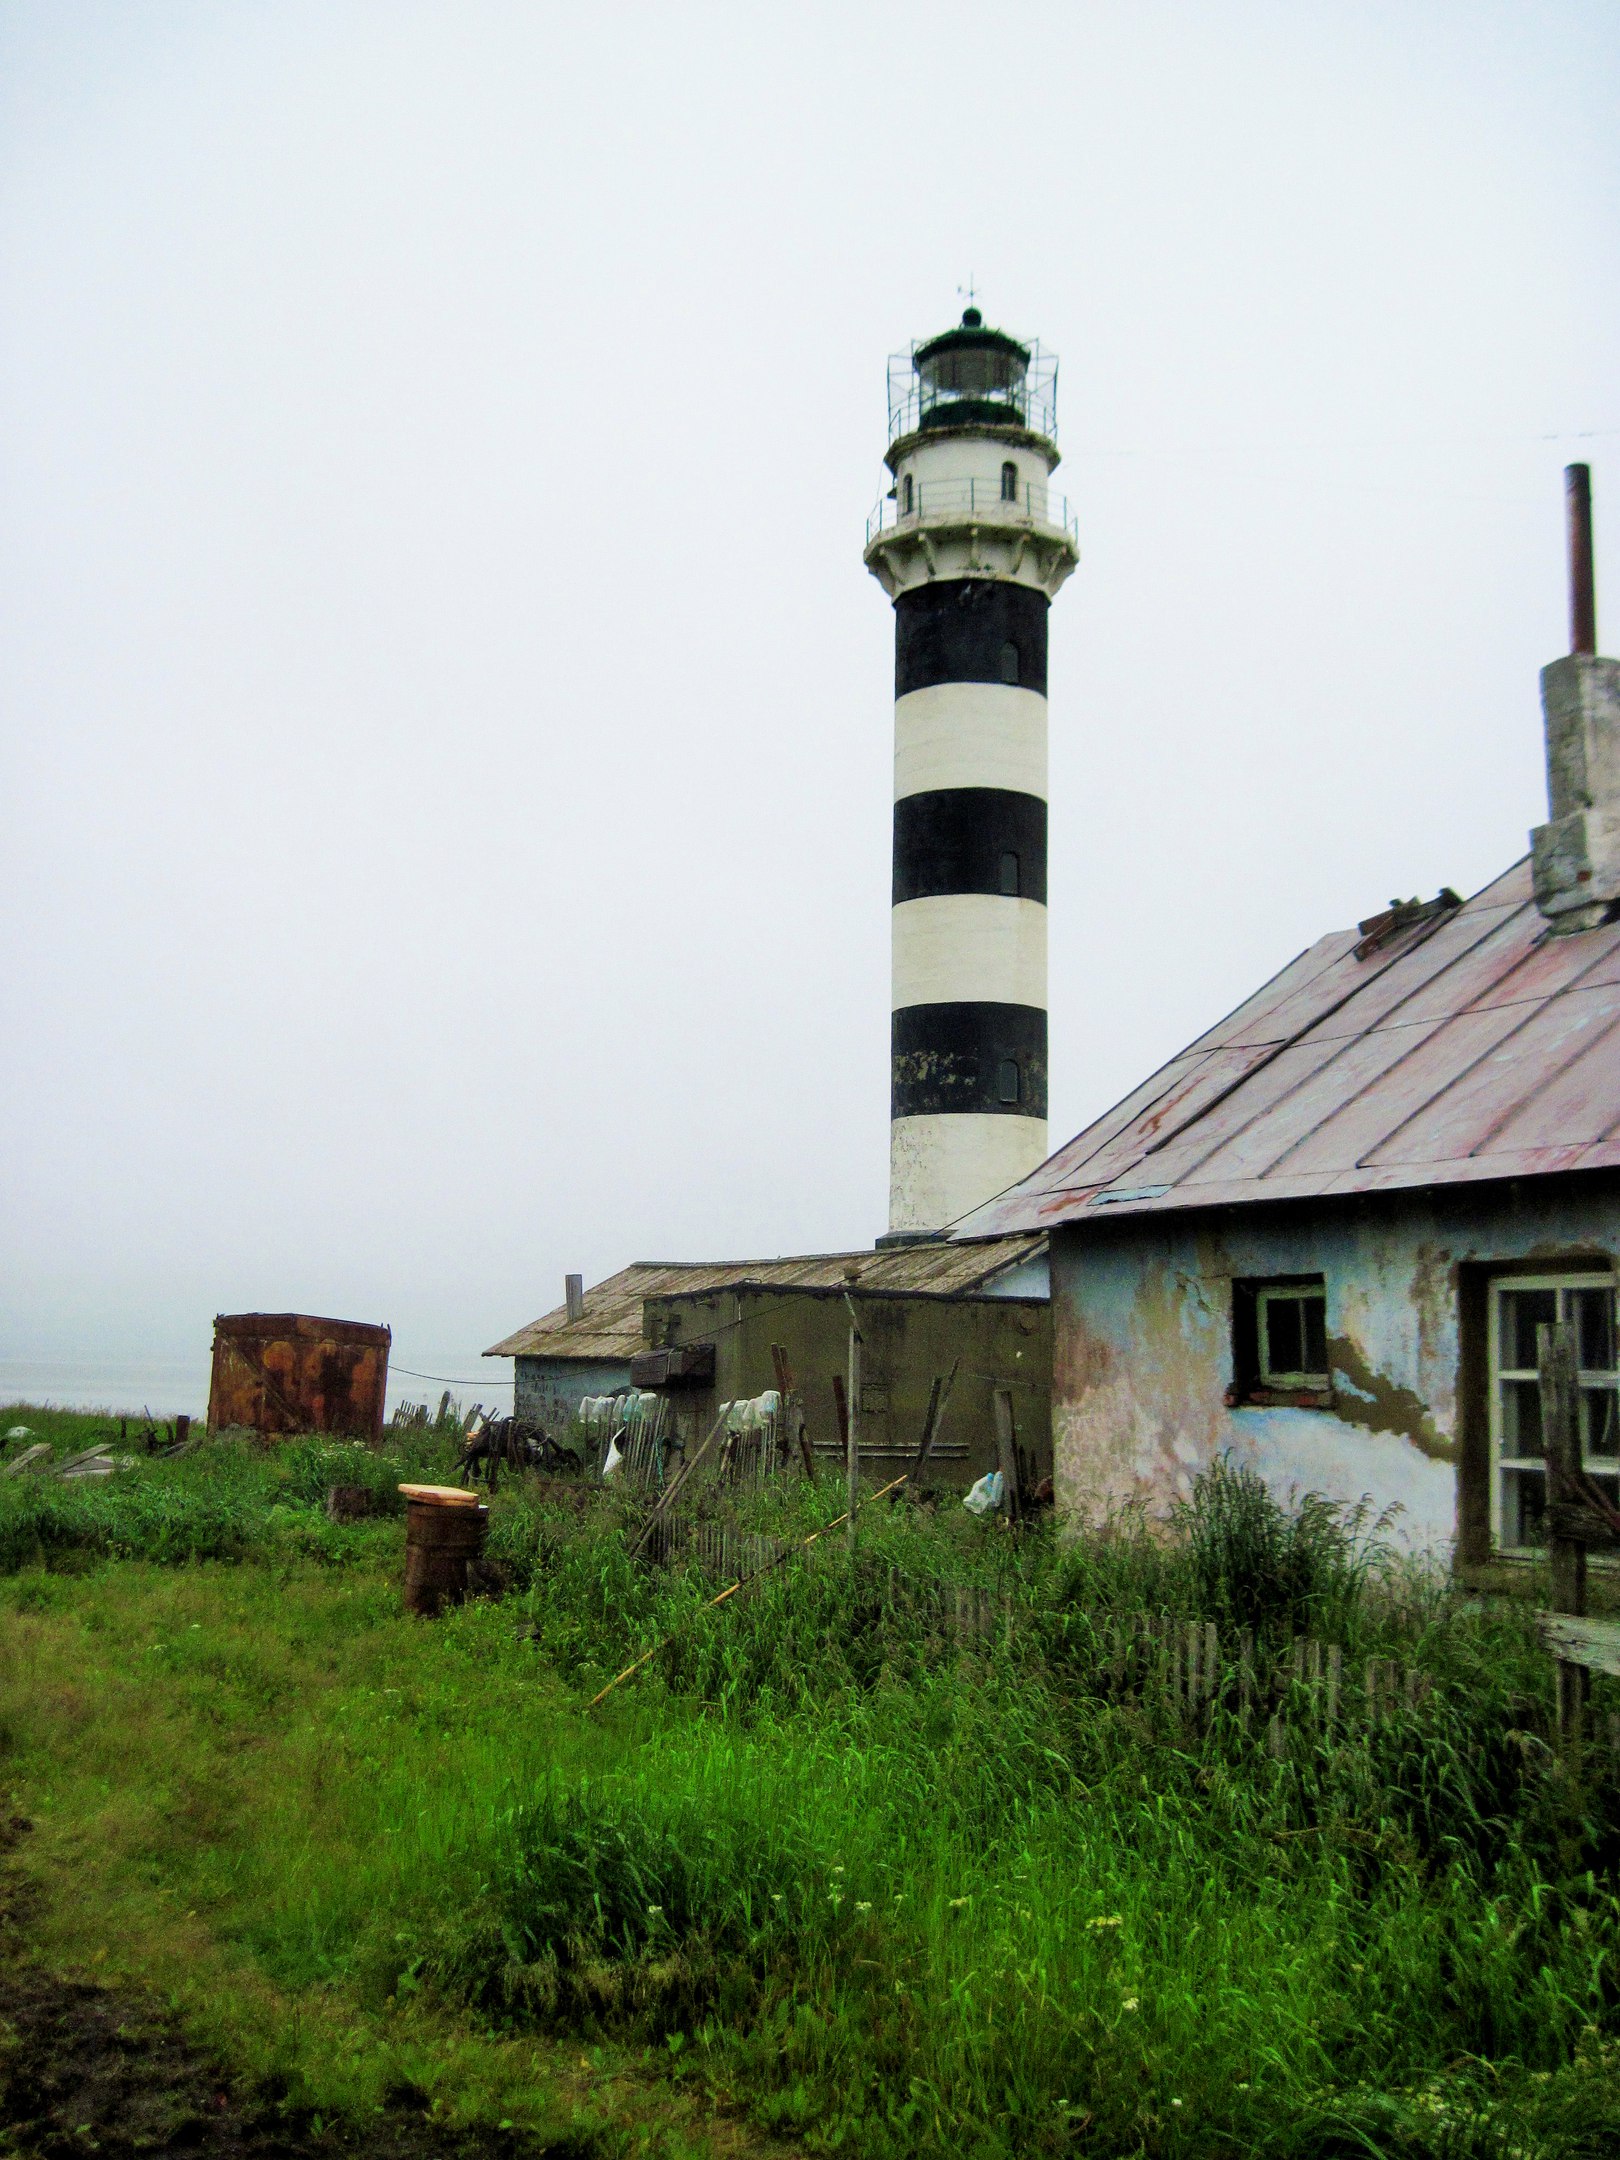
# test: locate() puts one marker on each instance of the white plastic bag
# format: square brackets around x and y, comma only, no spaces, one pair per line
[610,1467]
[986,1494]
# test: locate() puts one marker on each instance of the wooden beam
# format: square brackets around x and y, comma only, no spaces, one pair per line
[852,1445]
[1007,1451]
[1593,1644]
[1566,1556]
[939,1396]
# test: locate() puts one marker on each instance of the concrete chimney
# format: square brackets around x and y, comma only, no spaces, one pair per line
[1575,856]
[574,1297]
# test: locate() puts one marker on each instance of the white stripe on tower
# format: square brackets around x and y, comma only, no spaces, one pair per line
[971,554]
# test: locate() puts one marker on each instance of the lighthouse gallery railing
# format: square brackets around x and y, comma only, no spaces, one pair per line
[986,501]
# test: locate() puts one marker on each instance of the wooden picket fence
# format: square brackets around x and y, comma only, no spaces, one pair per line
[713,1547]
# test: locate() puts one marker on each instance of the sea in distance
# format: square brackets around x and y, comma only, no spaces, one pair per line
[167,1387]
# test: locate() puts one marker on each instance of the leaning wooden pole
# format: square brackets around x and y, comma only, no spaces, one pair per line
[852,1446]
[1566,1555]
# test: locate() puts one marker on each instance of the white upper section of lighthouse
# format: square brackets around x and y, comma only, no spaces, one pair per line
[972,421]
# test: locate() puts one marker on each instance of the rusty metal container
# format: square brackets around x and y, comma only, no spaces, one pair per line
[283,1373]
[445,1530]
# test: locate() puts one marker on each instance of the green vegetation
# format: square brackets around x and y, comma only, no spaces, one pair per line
[888,1885]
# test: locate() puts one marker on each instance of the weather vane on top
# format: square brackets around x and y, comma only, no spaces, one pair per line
[969,291]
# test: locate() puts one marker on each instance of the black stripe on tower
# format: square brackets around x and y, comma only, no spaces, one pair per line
[970,840]
[970,630]
[962,1057]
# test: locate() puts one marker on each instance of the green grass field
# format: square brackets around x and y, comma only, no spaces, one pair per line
[825,1875]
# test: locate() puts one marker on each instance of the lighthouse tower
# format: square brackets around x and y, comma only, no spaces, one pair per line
[971,545]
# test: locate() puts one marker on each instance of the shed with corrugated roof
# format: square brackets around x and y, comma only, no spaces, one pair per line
[707,1332]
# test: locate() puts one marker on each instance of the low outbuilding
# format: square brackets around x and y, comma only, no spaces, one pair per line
[711,1332]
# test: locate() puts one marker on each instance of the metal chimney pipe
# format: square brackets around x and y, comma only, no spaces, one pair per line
[1578,525]
[574,1293]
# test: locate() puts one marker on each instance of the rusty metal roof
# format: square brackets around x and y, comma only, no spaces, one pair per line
[611,1326]
[1436,1046]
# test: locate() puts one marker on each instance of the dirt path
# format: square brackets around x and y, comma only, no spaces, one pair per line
[86,2069]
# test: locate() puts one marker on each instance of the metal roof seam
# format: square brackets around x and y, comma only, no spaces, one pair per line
[1364,1162]
[1556,1072]
[1286,1043]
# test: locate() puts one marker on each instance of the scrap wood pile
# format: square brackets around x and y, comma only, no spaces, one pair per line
[97,1461]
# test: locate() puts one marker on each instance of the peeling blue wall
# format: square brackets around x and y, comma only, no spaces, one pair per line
[1142,1343]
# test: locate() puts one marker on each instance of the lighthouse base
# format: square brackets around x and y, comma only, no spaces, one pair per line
[943,1165]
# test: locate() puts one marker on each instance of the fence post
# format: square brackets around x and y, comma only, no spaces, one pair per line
[853,1451]
[1007,1451]
[1566,1556]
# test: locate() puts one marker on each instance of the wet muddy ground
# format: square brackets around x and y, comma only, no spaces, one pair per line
[86,2069]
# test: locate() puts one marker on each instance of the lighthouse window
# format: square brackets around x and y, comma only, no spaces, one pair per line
[1009,875]
[1009,663]
[1009,482]
[1009,1080]
[905,495]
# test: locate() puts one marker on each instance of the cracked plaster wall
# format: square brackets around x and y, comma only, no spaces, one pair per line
[1142,1345]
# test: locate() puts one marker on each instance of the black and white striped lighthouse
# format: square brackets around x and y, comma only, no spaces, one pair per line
[971,545]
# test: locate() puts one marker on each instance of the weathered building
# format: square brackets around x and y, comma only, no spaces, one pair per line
[1323,1236]
[708,1332]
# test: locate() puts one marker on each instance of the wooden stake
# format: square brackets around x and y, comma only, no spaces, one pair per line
[938,1396]
[852,1446]
[1566,1556]
[1007,1451]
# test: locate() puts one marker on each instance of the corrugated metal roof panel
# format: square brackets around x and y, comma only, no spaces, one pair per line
[611,1326]
[1470,1045]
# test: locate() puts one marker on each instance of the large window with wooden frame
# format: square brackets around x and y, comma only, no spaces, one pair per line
[1519,1305]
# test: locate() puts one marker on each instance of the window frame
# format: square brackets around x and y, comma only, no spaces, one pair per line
[1301,1382]
[1561,1282]
[1009,481]
[1009,1065]
[1250,1389]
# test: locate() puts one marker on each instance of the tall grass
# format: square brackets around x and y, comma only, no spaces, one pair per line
[912,1894]
[230,1500]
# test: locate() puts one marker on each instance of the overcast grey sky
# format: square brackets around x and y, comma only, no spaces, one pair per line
[446,748]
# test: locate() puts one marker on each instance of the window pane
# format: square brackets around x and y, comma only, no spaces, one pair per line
[1600,1423]
[1524,1498]
[1593,1316]
[1009,1088]
[1009,874]
[1609,1487]
[1521,1418]
[1313,1311]
[1285,1343]
[1523,1311]
[1009,663]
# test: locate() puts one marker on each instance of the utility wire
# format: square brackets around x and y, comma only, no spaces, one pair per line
[484,1379]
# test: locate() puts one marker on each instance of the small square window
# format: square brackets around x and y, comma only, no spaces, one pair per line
[1293,1337]
[1279,1342]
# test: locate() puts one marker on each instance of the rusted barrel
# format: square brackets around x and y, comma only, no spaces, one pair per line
[444,1529]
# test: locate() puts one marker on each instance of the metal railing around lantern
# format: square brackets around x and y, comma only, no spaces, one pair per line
[1029,506]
